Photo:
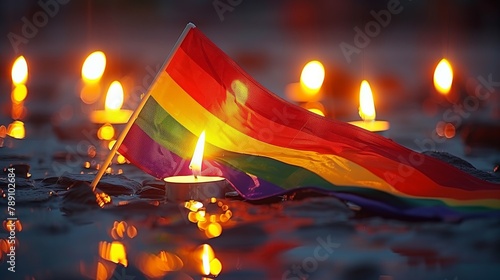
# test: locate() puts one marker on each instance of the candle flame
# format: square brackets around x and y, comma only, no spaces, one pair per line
[94,66]
[312,77]
[206,259]
[366,104]
[114,97]
[19,71]
[443,76]
[197,158]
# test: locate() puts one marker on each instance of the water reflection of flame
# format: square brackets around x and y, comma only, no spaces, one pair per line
[114,252]
[106,132]
[16,130]
[210,265]
[156,266]
[102,198]
[121,228]
[15,225]
[209,220]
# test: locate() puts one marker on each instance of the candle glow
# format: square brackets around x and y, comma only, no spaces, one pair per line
[443,76]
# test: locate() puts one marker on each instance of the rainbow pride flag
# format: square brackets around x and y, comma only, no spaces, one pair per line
[266,146]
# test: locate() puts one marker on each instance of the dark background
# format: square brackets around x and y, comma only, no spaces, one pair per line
[272,40]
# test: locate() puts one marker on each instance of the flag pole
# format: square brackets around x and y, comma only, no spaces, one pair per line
[132,119]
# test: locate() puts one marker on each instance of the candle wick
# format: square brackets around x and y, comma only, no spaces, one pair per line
[194,172]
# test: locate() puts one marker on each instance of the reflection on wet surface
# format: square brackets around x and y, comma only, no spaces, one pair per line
[137,234]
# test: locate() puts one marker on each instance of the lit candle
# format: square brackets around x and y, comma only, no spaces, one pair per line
[195,186]
[367,111]
[112,114]
[19,89]
[309,87]
[92,70]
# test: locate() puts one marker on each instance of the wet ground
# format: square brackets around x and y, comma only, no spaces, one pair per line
[63,233]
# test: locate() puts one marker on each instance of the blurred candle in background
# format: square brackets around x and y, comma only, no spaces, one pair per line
[309,87]
[18,95]
[443,76]
[444,92]
[19,89]
[112,113]
[92,70]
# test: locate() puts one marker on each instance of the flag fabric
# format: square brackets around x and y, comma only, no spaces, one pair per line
[265,146]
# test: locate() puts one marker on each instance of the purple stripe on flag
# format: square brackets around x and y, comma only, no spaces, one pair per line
[151,157]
